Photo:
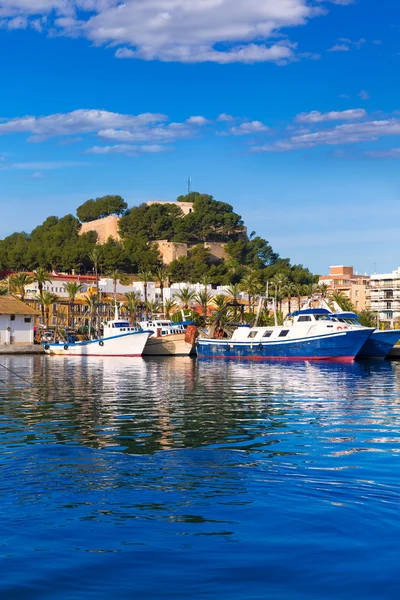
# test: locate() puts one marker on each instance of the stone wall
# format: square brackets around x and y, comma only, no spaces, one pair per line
[217,250]
[103,227]
[171,250]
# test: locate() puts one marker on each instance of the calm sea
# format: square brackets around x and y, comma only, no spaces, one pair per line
[177,479]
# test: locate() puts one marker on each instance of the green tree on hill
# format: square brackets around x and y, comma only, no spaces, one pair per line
[100,208]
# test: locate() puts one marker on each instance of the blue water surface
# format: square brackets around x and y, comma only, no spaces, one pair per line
[169,479]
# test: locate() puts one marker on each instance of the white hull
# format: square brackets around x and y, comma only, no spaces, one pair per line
[168,345]
[129,344]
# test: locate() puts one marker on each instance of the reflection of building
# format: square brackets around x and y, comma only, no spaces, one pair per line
[352,285]
[383,296]
[16,321]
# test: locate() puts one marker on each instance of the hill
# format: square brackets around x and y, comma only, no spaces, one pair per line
[59,245]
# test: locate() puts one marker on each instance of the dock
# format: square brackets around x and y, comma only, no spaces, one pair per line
[18,349]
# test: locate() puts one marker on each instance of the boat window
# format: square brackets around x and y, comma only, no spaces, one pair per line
[323,318]
[267,333]
[284,333]
[252,334]
[303,318]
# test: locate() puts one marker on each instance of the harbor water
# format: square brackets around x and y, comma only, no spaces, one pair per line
[175,479]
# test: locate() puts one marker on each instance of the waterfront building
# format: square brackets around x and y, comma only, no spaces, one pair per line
[383,297]
[16,321]
[352,285]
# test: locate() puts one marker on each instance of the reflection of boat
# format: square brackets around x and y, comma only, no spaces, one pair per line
[119,339]
[307,335]
[169,338]
[378,345]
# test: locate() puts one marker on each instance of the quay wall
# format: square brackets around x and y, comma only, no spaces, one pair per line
[21,349]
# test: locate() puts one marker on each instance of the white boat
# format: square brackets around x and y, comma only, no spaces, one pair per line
[168,338]
[118,339]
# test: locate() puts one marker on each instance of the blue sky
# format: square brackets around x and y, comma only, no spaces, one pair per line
[287,109]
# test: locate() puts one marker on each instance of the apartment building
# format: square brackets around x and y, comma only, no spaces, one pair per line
[353,285]
[383,297]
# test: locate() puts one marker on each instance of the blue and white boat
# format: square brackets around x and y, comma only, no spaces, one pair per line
[309,334]
[378,345]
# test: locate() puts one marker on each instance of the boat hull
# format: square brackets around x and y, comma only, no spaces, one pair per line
[342,346]
[379,344]
[130,344]
[168,345]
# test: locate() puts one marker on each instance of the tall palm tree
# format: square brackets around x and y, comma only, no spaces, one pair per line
[203,298]
[145,277]
[46,299]
[169,307]
[279,281]
[289,290]
[299,294]
[92,307]
[251,286]
[342,300]
[41,277]
[185,296]
[162,276]
[95,257]
[234,291]
[72,288]
[117,276]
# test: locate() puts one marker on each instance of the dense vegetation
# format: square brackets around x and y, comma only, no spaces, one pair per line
[100,208]
[57,246]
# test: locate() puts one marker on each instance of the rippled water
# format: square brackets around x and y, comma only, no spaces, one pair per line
[175,479]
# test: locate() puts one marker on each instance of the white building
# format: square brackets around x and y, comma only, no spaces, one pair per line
[16,321]
[383,297]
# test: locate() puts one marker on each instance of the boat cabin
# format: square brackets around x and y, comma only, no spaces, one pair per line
[163,327]
[118,327]
[296,325]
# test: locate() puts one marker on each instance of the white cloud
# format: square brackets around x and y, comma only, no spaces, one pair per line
[391,153]
[248,128]
[364,95]
[224,117]
[174,30]
[344,115]
[198,121]
[341,134]
[40,166]
[129,149]
[339,48]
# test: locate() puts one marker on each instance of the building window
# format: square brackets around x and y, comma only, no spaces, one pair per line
[27,319]
[12,317]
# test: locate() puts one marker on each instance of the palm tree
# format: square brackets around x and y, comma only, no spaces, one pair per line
[117,276]
[204,299]
[152,307]
[17,283]
[219,301]
[185,296]
[72,288]
[289,290]
[251,286]
[92,305]
[3,289]
[132,305]
[162,276]
[299,294]
[41,277]
[342,301]
[95,257]
[323,288]
[310,289]
[234,291]
[46,299]
[279,281]
[169,307]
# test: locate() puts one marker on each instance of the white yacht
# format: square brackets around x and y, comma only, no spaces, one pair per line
[168,338]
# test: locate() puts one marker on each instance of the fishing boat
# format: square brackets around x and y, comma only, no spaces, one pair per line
[119,339]
[306,335]
[378,345]
[169,339]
